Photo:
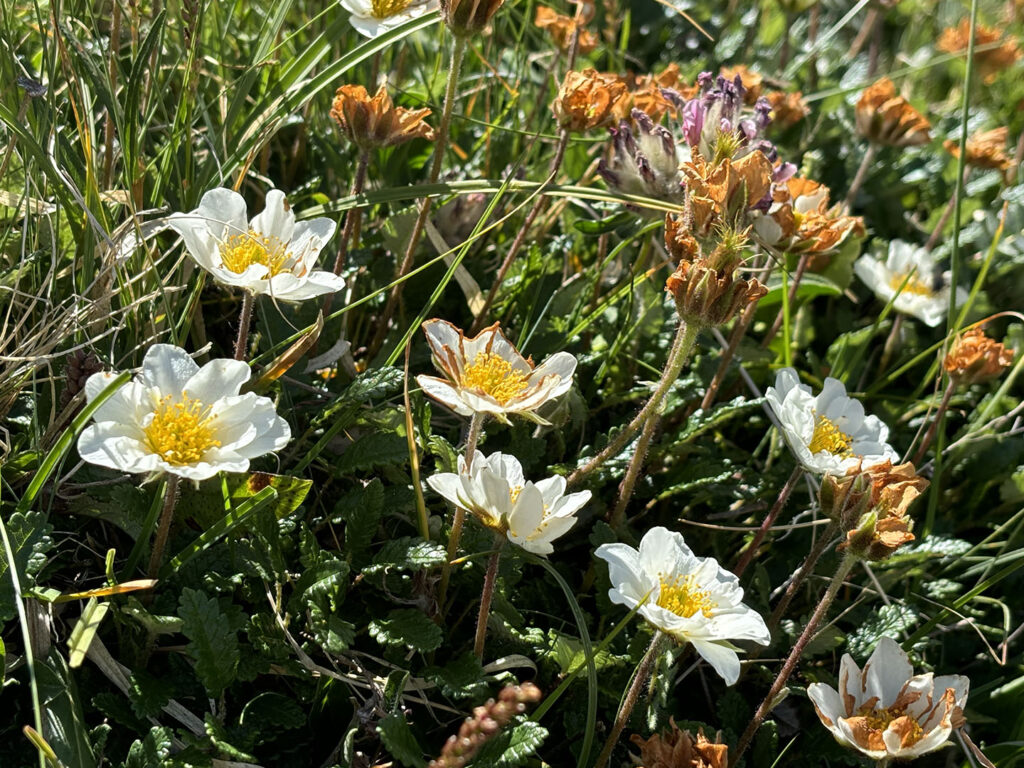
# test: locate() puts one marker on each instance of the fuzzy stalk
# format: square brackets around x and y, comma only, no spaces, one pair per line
[459,518]
[769,521]
[353,216]
[490,578]
[441,144]
[164,526]
[929,436]
[801,268]
[860,176]
[794,657]
[643,671]
[806,568]
[738,331]
[686,336]
[244,322]
[889,348]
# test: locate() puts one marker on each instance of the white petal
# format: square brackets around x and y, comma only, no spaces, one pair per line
[444,393]
[276,219]
[108,445]
[167,368]
[886,671]
[722,659]
[218,378]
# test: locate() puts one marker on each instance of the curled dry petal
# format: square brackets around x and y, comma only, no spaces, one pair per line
[974,357]
[985,149]
[788,109]
[675,748]
[990,59]
[589,99]
[377,122]
[886,118]
[561,27]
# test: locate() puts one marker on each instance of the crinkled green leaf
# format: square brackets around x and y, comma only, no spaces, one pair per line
[408,627]
[400,741]
[213,644]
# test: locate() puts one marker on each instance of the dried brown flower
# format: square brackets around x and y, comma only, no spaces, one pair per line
[647,96]
[985,149]
[975,357]
[990,62]
[486,722]
[377,122]
[468,17]
[886,118]
[561,27]
[710,295]
[788,109]
[751,81]
[589,99]
[720,193]
[675,748]
[800,220]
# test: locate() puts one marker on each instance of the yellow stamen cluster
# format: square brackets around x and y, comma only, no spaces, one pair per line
[880,719]
[683,598]
[493,375]
[181,432]
[913,285]
[385,9]
[828,437]
[241,251]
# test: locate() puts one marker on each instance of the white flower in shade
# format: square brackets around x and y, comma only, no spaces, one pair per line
[829,434]
[493,489]
[910,275]
[271,253]
[691,598]
[885,711]
[486,374]
[177,417]
[375,17]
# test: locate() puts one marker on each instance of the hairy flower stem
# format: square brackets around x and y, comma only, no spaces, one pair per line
[538,206]
[934,426]
[352,218]
[643,671]
[769,521]
[801,268]
[487,596]
[164,526]
[858,179]
[794,657]
[459,519]
[805,570]
[441,144]
[686,335]
[738,331]
[244,321]
[889,348]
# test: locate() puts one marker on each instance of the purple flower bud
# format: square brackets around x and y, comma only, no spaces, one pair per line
[784,172]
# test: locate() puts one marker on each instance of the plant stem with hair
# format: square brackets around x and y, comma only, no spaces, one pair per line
[686,335]
[352,218]
[164,526]
[934,426]
[440,145]
[769,520]
[643,671]
[486,596]
[794,657]
[804,571]
[244,321]
[459,518]
[860,176]
[738,331]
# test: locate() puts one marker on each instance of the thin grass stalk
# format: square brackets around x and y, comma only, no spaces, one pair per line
[686,335]
[459,518]
[244,322]
[352,219]
[643,671]
[441,144]
[769,521]
[936,235]
[794,657]
[486,596]
[889,348]
[164,526]
[422,520]
[798,275]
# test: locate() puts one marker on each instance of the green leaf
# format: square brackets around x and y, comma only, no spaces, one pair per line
[212,643]
[512,747]
[811,286]
[85,630]
[152,751]
[461,677]
[408,627]
[361,510]
[888,621]
[209,502]
[700,422]
[398,737]
[66,732]
[332,633]
[408,553]
[608,224]
[148,693]
[374,449]
[29,533]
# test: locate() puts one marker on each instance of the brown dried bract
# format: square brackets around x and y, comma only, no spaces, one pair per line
[377,122]
[647,96]
[975,357]
[709,295]
[985,149]
[589,99]
[468,17]
[872,507]
[675,748]
[990,62]
[886,118]
[788,109]
[561,27]
[720,193]
[800,220]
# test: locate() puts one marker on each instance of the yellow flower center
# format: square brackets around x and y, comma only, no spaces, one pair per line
[913,285]
[828,437]
[879,720]
[241,251]
[682,597]
[181,432]
[493,375]
[385,9]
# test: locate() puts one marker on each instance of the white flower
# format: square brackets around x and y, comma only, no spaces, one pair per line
[885,711]
[486,374]
[177,417]
[829,434]
[531,515]
[271,253]
[375,17]
[691,598]
[926,292]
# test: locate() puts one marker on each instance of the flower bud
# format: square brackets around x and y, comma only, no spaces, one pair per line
[468,17]
[884,527]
